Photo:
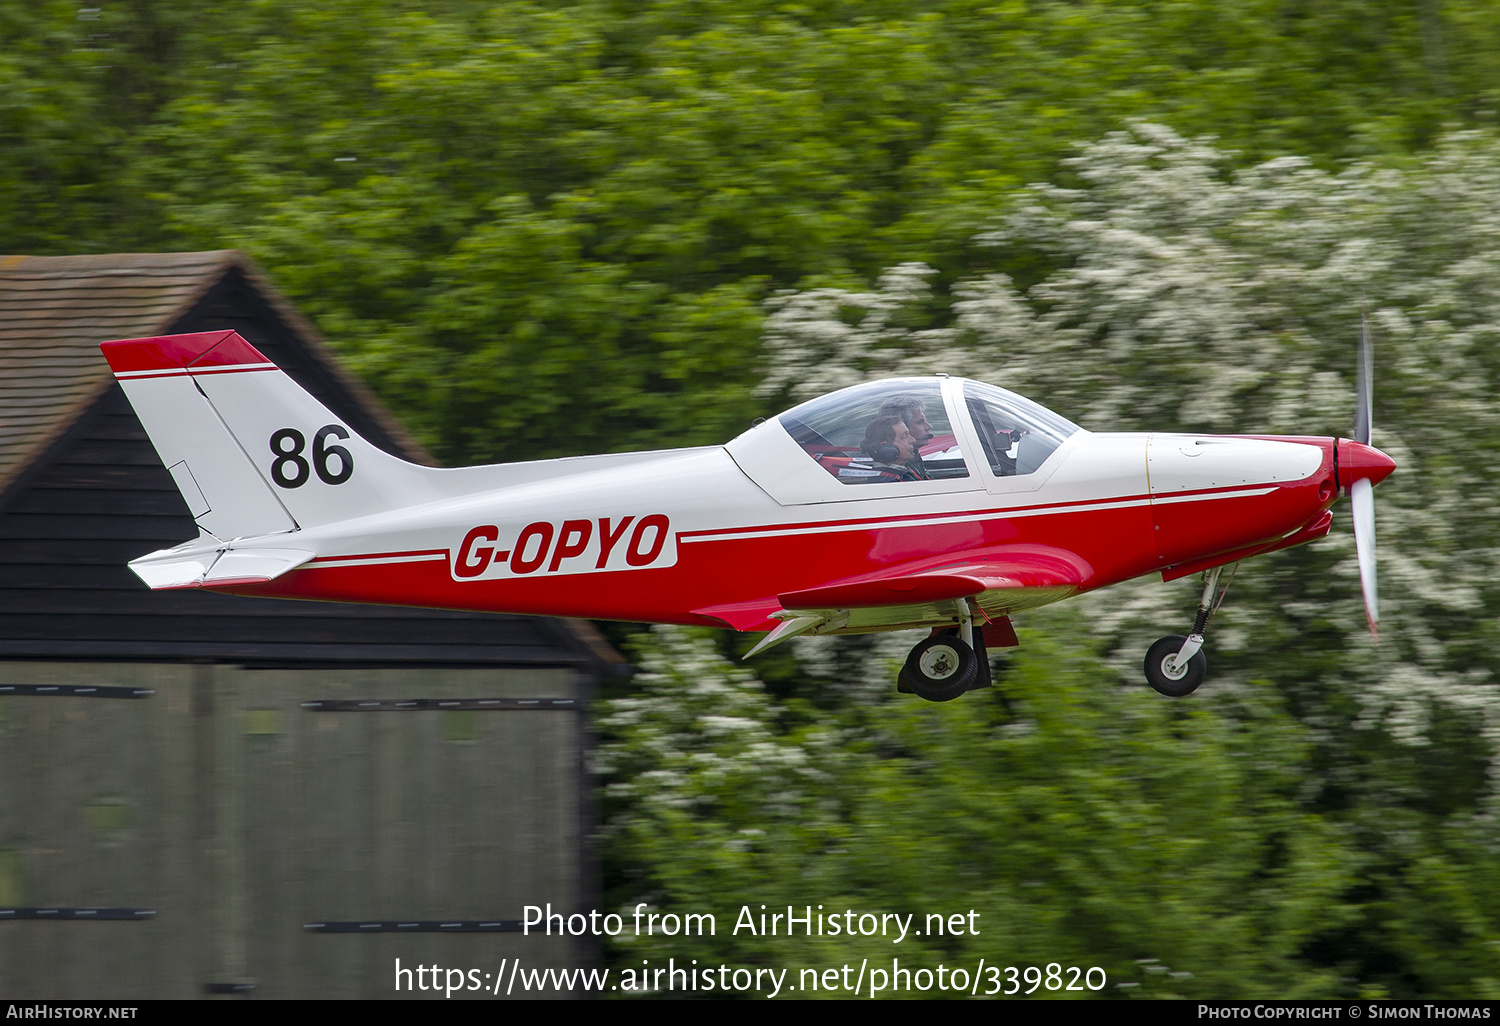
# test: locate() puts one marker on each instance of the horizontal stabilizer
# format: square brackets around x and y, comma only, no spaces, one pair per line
[187,567]
[161,570]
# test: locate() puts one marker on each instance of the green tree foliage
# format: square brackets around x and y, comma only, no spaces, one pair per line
[79,87]
[522,220]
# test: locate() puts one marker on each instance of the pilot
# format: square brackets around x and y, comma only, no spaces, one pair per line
[910,409]
[891,446]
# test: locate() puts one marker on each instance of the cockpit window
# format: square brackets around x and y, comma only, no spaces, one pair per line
[1016,434]
[881,433]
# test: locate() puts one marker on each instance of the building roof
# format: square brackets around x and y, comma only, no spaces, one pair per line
[54,312]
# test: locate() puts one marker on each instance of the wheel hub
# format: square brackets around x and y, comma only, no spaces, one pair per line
[939,663]
[1173,670]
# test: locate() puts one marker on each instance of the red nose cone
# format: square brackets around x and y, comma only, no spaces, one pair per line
[1357,460]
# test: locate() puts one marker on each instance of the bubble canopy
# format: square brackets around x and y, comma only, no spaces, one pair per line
[901,436]
[844,431]
[883,432]
[1016,434]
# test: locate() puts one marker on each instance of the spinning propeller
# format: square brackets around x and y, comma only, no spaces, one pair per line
[1362,463]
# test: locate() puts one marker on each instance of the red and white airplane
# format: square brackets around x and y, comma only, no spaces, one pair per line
[937,502]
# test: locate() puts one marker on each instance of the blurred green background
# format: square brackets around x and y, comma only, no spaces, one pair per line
[542,229]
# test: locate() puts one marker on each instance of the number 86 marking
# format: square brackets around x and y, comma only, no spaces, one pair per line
[290,470]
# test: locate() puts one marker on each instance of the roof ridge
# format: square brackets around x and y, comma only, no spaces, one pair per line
[12,262]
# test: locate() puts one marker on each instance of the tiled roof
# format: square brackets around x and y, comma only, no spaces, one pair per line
[54,312]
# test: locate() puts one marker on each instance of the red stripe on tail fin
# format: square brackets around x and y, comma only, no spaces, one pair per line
[199,351]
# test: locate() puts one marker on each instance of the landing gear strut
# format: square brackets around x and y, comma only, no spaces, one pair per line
[945,665]
[1175,665]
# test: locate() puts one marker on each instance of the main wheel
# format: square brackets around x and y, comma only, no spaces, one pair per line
[1165,674]
[940,668]
[983,678]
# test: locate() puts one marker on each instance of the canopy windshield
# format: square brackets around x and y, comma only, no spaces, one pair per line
[1015,433]
[879,433]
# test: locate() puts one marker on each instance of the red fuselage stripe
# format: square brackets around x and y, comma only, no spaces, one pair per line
[1111,542]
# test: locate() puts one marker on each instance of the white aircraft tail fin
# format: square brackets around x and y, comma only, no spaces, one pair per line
[252,452]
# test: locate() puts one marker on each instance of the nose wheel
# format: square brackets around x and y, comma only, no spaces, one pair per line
[1175,665]
[1170,674]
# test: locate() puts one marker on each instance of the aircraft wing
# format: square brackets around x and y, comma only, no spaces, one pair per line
[1000,582]
[904,586]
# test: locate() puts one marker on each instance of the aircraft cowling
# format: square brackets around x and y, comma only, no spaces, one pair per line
[1212,494]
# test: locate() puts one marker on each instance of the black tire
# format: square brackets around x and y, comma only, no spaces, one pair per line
[940,668]
[983,678]
[1177,681]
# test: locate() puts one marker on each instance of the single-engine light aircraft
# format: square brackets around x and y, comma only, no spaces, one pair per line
[938,502]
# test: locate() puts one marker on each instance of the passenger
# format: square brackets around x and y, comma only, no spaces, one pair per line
[911,411]
[891,446]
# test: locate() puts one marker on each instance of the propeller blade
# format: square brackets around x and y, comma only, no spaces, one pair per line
[1363,385]
[1362,494]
